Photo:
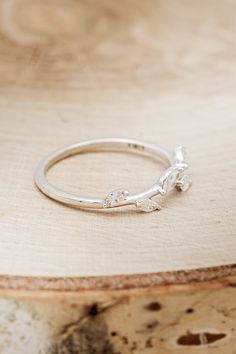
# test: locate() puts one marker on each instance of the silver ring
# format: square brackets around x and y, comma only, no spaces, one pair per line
[173,177]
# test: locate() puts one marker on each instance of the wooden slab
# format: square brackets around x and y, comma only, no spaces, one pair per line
[76,281]
[161,73]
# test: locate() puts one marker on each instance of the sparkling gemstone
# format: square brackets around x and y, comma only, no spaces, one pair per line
[147,205]
[115,197]
[184,183]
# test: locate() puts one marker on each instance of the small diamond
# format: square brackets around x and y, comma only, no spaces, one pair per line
[115,197]
[184,183]
[147,205]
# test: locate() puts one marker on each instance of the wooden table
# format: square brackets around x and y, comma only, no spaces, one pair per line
[117,282]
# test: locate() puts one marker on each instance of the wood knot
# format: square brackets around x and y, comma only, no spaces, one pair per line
[202,338]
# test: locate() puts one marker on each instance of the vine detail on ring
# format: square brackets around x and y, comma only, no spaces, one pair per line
[172,178]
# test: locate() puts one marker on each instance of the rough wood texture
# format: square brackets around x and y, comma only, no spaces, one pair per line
[181,319]
[158,70]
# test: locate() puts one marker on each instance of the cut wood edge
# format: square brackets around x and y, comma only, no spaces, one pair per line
[220,276]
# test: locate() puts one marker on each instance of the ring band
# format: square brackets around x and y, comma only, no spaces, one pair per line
[173,177]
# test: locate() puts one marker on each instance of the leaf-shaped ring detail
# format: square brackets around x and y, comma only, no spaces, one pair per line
[115,198]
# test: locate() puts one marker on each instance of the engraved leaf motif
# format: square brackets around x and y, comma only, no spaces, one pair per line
[147,205]
[169,179]
[115,197]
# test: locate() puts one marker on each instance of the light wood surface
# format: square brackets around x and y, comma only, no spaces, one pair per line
[158,70]
[163,73]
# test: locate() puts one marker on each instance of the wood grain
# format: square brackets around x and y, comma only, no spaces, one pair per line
[163,73]
[76,281]
[182,318]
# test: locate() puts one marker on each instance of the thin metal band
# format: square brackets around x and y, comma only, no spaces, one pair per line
[120,197]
